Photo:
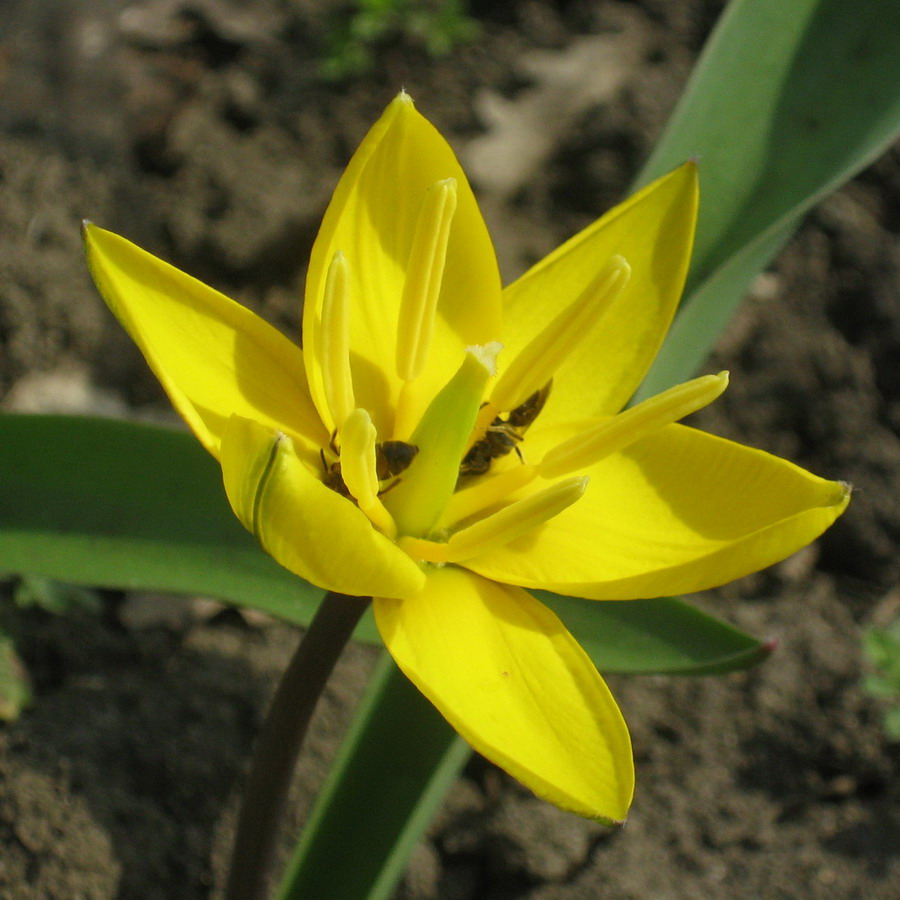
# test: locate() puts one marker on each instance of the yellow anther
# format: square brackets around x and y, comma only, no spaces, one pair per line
[618,432]
[424,272]
[337,379]
[514,520]
[359,470]
[535,365]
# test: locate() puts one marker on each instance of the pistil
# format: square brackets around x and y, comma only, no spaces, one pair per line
[441,436]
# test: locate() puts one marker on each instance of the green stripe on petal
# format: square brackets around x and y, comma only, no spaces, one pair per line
[373,218]
[309,529]
[503,670]
[214,357]
[654,231]
[678,511]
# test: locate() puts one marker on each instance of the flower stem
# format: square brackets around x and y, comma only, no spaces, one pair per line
[279,742]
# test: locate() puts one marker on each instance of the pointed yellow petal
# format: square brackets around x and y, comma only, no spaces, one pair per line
[372,219]
[214,357]
[308,528]
[503,670]
[654,231]
[678,511]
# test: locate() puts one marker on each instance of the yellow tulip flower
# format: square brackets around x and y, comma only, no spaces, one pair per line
[442,445]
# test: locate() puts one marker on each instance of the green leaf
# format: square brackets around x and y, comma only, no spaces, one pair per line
[394,768]
[882,649]
[118,504]
[787,102]
[892,723]
[661,636]
[125,505]
[707,312]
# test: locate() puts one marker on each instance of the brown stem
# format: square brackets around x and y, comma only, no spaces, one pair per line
[279,742]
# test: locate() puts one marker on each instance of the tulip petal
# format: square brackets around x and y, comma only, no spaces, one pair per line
[305,526]
[508,676]
[372,220]
[678,511]
[214,357]
[653,231]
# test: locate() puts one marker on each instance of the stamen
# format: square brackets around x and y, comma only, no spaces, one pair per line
[359,469]
[502,527]
[424,272]
[337,378]
[535,365]
[618,432]
[487,492]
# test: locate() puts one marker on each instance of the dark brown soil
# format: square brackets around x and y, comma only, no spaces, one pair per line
[202,130]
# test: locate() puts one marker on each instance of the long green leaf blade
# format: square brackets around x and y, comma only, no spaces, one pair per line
[651,637]
[118,504]
[394,768]
[787,102]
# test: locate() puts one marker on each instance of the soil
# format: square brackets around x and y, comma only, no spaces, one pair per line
[204,131]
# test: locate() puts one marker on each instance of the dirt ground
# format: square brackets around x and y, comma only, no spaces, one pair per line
[202,130]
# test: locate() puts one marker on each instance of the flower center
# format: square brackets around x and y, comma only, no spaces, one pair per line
[439,493]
